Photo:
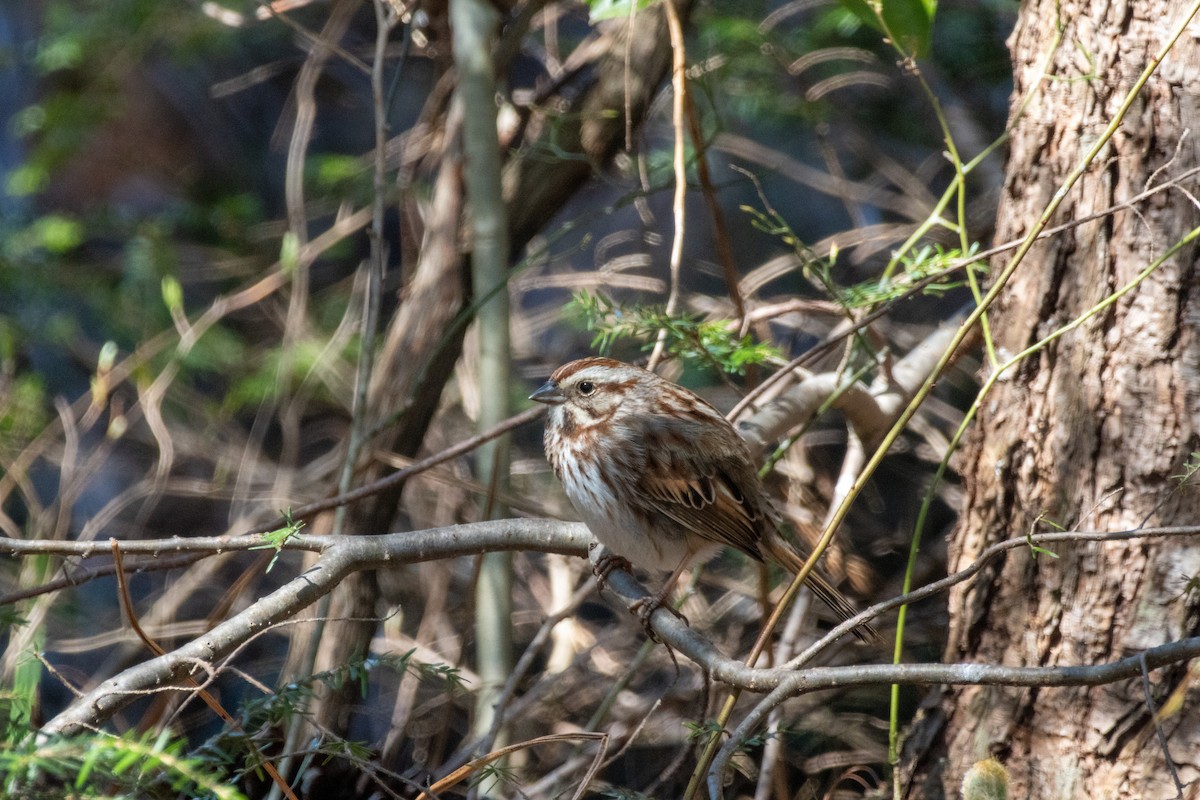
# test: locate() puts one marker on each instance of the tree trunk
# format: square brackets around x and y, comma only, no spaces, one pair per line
[1090,432]
[423,342]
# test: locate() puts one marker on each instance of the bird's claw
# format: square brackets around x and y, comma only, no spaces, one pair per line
[604,566]
[644,609]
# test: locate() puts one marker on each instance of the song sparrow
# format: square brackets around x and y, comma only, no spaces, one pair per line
[658,475]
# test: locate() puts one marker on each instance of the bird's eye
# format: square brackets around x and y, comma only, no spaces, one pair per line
[586,388]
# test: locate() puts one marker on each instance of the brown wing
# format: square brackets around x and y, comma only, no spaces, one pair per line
[716,498]
[714,492]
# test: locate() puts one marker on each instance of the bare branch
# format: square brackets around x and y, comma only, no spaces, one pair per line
[870,412]
[342,555]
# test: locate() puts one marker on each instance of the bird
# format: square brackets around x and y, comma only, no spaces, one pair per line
[660,477]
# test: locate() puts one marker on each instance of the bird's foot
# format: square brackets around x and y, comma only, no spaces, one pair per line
[644,610]
[605,564]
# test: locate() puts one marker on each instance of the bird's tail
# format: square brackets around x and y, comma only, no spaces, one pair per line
[782,552]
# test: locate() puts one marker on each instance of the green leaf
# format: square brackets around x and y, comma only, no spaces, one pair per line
[26,179]
[60,52]
[85,769]
[289,252]
[56,233]
[107,357]
[713,343]
[908,23]
[1037,550]
[172,293]
[127,759]
[613,9]
[1190,468]
[277,538]
[335,170]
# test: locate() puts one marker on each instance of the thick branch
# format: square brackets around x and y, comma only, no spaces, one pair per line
[343,555]
[340,556]
[870,412]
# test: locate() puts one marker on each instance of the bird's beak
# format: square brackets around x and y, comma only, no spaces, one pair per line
[549,394]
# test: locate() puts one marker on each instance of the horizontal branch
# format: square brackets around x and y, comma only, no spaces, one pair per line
[784,681]
[814,678]
[342,555]
[972,569]
[544,535]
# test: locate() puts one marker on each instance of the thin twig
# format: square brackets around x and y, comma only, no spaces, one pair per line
[467,445]
[1158,730]
[210,701]
[197,549]
[720,229]
[678,102]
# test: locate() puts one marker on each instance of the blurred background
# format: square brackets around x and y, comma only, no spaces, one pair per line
[205,258]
